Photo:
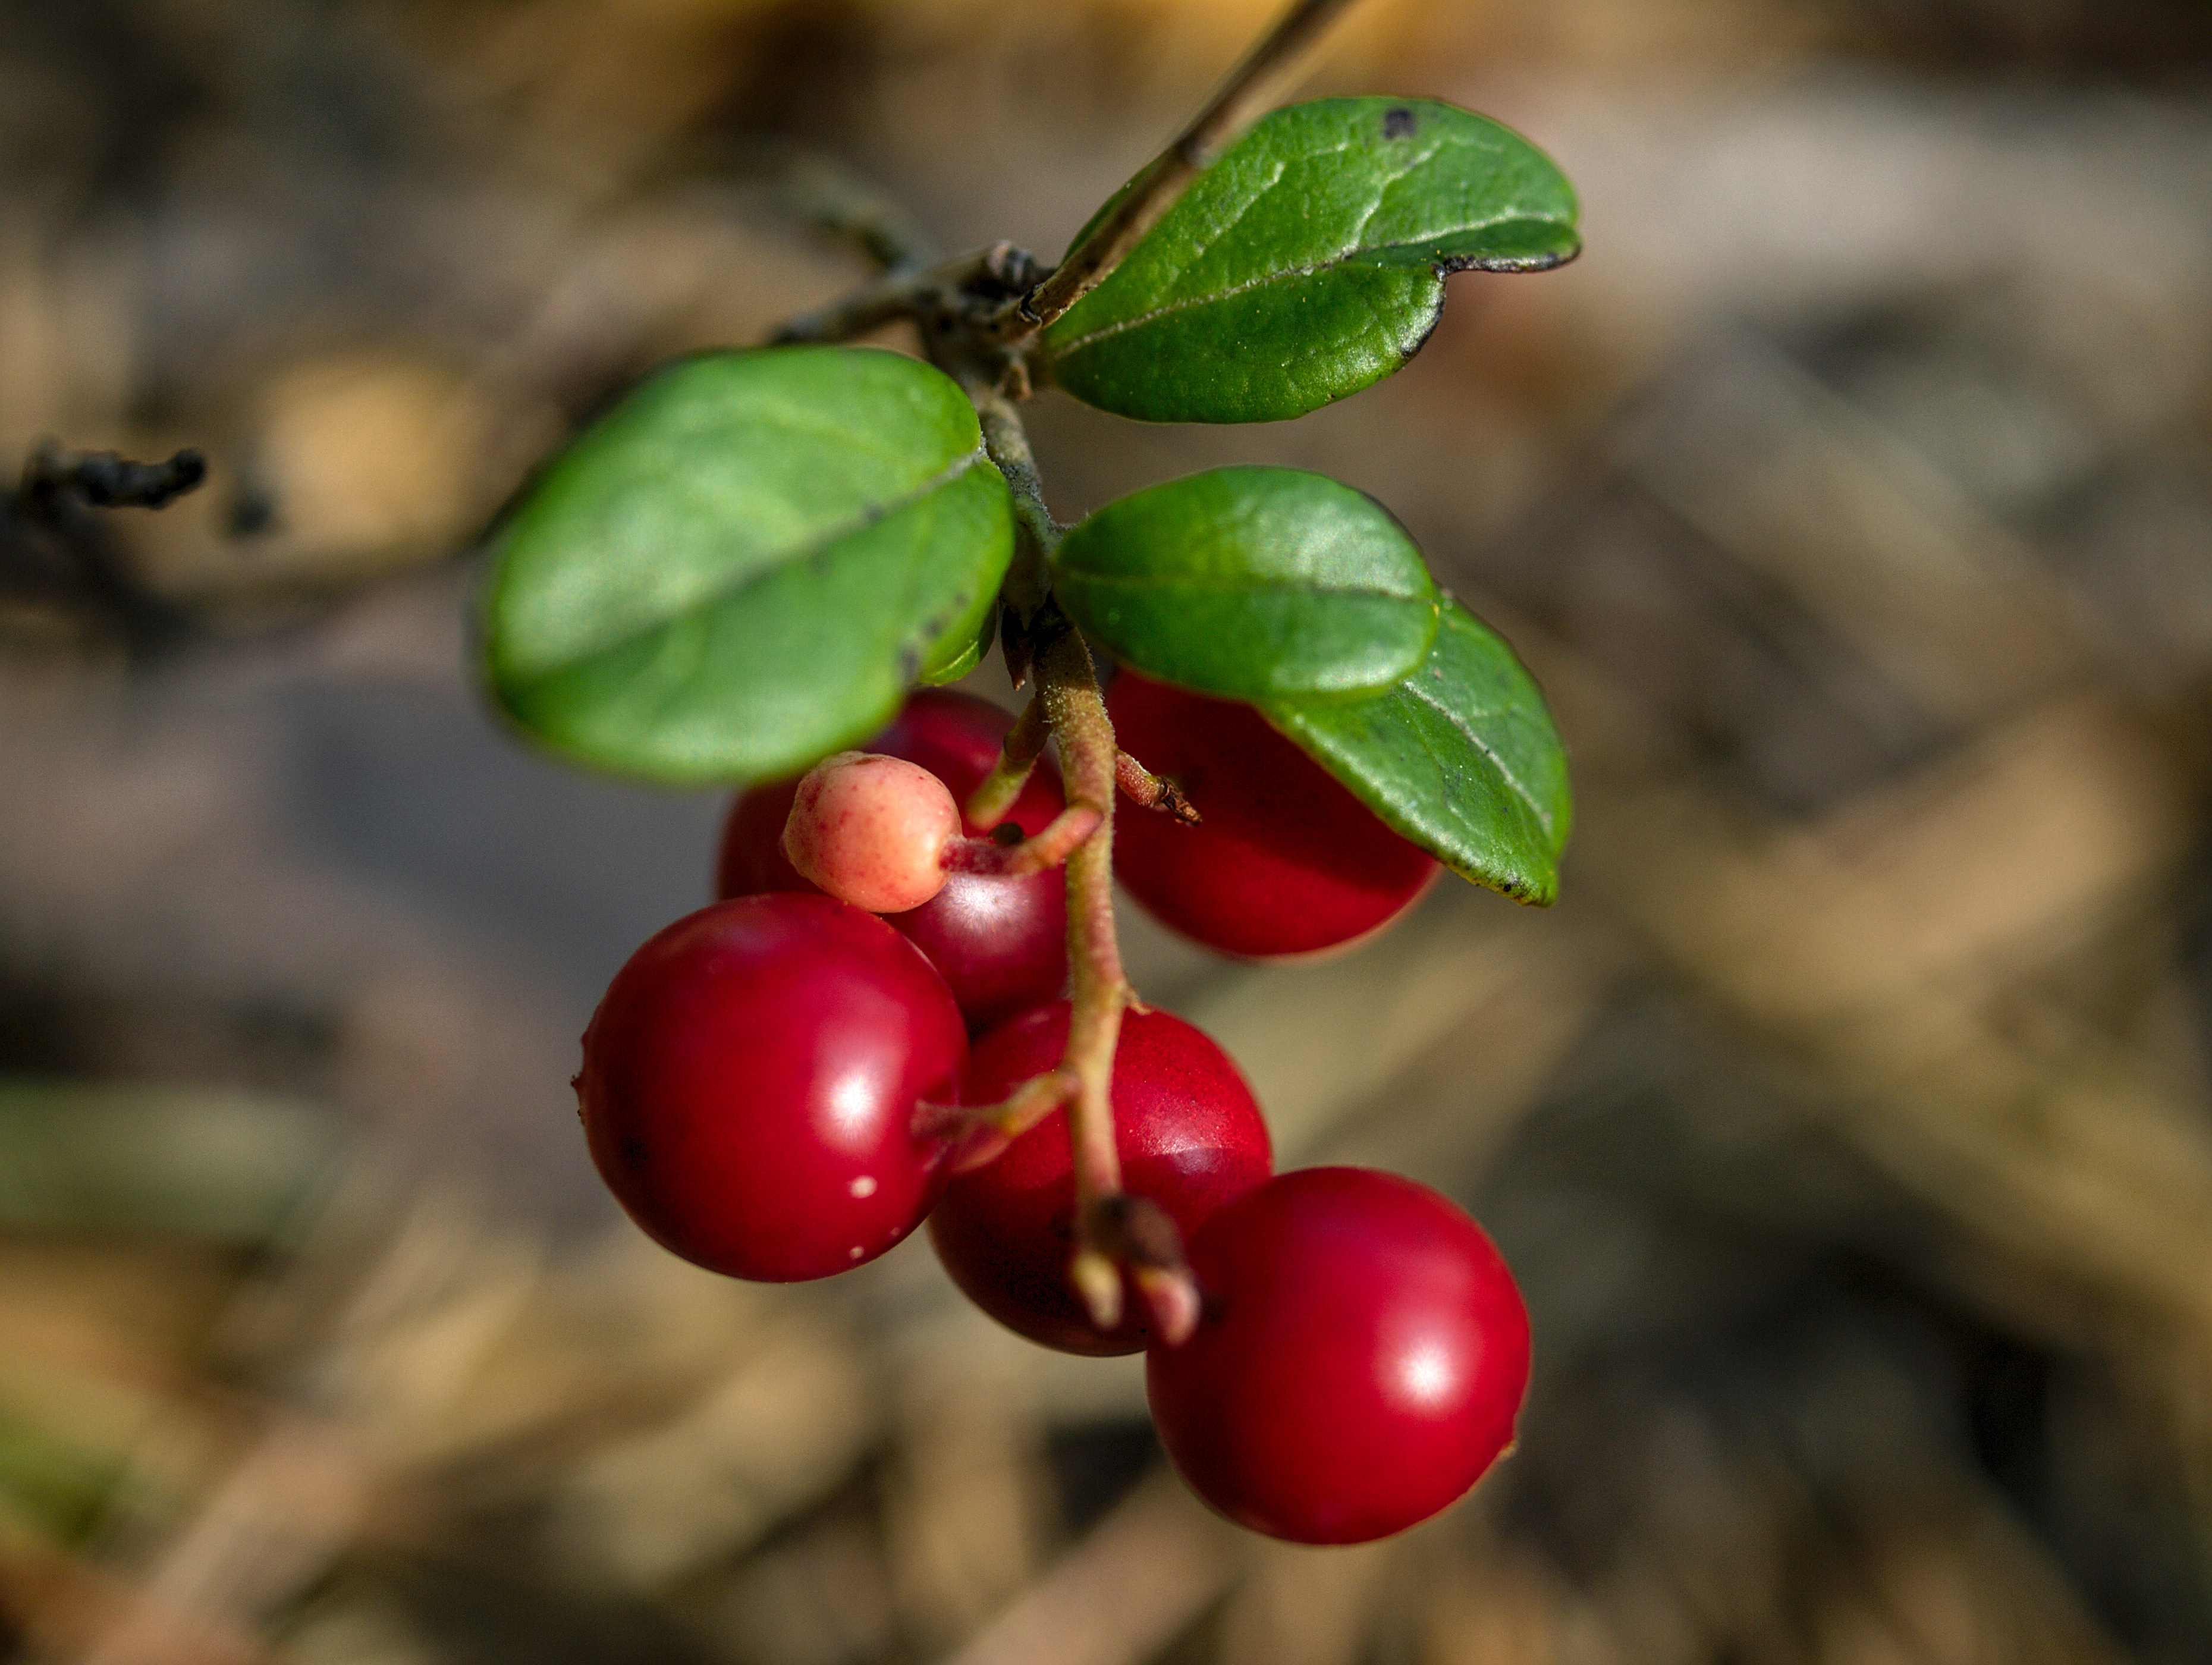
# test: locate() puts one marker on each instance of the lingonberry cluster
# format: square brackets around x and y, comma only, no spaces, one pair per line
[781,1086]
[910,1001]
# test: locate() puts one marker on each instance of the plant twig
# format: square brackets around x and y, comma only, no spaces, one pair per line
[108,481]
[993,801]
[980,1133]
[1244,97]
[826,192]
[1113,1230]
[1006,442]
[1029,619]
[1027,855]
[887,299]
[54,547]
[944,296]
[1098,990]
[1152,792]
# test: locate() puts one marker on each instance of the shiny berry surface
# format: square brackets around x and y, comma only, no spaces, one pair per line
[749,1082]
[999,943]
[1190,1138]
[1283,861]
[1360,1364]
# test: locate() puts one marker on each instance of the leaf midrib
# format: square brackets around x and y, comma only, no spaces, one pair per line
[1226,587]
[1290,274]
[761,573]
[1286,275]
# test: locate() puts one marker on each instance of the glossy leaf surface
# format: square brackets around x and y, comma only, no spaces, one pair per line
[1460,757]
[744,566]
[1251,584]
[1309,261]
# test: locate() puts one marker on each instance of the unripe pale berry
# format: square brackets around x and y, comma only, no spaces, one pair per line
[999,941]
[871,830]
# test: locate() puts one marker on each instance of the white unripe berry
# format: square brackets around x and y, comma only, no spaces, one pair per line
[871,830]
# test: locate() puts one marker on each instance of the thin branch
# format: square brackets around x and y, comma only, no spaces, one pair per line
[994,800]
[1026,855]
[1029,619]
[1152,792]
[1250,90]
[979,1133]
[827,193]
[108,481]
[1097,988]
[54,547]
[885,300]
[945,295]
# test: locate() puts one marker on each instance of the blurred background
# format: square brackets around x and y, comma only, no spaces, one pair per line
[1847,1124]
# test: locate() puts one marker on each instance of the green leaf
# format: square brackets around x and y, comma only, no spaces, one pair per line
[1309,261]
[1460,757]
[962,650]
[1251,584]
[744,566]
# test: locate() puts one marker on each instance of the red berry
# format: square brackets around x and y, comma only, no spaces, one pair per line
[1283,861]
[1190,1138]
[750,858]
[1360,1364]
[749,1082]
[999,943]
[871,829]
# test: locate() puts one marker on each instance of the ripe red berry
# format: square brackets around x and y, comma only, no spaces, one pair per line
[749,1082]
[1190,1138]
[1360,1364]
[871,829]
[1283,861]
[999,943]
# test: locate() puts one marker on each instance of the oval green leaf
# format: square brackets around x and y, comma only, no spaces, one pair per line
[1309,261]
[1251,584]
[744,566]
[1460,757]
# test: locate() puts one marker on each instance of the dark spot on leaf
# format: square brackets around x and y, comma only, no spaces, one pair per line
[1397,123]
[632,1153]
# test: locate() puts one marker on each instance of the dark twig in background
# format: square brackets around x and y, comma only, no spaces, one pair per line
[54,549]
[106,480]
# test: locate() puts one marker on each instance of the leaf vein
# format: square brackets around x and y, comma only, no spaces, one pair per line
[1520,790]
[1285,275]
[1236,587]
[1383,195]
[718,594]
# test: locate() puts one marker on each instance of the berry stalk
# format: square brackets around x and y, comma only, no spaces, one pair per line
[1040,645]
[1068,685]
